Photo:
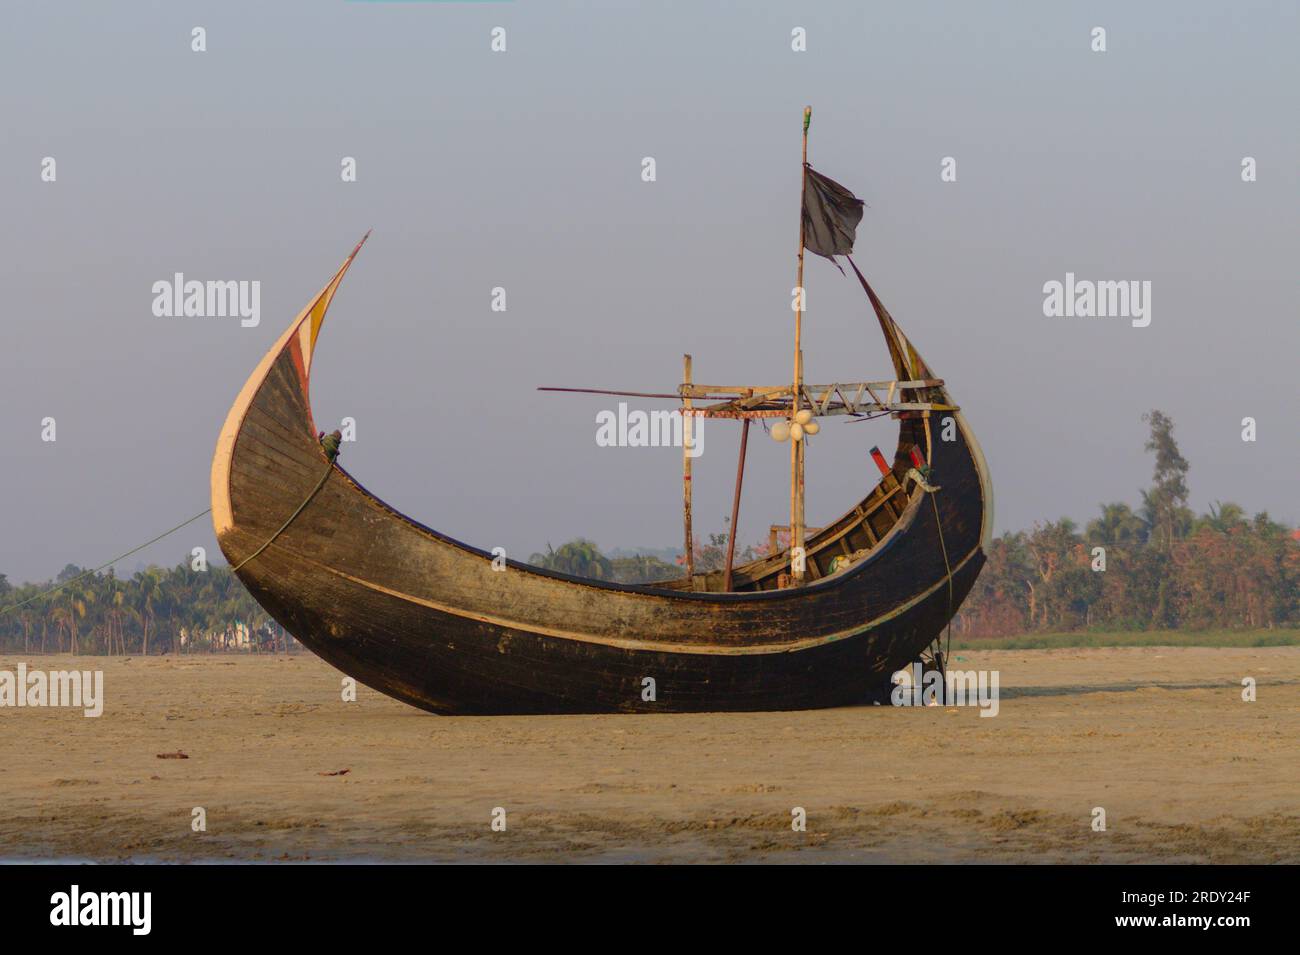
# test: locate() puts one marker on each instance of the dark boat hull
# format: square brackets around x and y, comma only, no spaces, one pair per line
[442,626]
[447,664]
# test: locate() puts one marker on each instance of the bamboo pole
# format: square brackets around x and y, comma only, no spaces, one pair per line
[735,504]
[687,442]
[796,447]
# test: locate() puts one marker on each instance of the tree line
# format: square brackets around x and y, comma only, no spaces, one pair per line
[1150,567]
[157,610]
[582,558]
[1154,567]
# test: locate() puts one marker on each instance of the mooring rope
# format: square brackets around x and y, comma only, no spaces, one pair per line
[87,573]
[283,527]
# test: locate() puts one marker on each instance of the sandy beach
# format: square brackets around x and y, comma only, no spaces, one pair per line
[1159,737]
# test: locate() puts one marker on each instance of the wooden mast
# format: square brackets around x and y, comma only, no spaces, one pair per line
[687,442]
[797,563]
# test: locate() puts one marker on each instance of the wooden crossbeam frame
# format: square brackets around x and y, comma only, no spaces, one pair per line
[866,408]
[693,390]
[775,401]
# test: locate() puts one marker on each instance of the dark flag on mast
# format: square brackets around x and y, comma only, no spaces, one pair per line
[830,216]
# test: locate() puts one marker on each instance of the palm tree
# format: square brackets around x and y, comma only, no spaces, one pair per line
[149,597]
[59,615]
[81,597]
[1222,518]
[26,618]
[579,557]
[1117,525]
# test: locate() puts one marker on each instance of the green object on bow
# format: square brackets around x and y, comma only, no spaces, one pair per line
[330,443]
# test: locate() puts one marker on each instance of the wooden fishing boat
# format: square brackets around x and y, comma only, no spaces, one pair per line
[453,629]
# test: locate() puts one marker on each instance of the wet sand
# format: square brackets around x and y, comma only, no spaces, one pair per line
[1159,737]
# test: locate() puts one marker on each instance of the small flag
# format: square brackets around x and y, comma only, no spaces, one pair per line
[830,216]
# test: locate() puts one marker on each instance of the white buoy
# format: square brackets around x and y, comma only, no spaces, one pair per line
[781,431]
[803,416]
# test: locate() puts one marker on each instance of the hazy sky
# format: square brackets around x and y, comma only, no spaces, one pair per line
[522,170]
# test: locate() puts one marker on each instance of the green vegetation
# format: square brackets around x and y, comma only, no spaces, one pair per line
[1133,638]
[157,610]
[643,569]
[581,558]
[1164,567]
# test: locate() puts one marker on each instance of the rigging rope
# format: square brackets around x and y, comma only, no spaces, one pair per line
[948,567]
